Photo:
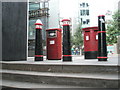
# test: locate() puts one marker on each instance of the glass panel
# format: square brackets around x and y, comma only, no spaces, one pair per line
[34,6]
[31,34]
[87,12]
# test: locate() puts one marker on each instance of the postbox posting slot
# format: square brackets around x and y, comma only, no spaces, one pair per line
[87,31]
[52,34]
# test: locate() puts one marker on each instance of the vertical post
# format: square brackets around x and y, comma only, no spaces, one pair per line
[38,41]
[1,32]
[66,41]
[102,48]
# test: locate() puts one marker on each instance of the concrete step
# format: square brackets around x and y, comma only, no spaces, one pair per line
[75,79]
[61,68]
[32,86]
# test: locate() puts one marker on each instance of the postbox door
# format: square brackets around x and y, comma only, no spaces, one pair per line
[59,45]
[86,40]
[96,40]
[52,44]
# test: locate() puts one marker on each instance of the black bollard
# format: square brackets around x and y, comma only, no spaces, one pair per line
[66,41]
[102,48]
[38,41]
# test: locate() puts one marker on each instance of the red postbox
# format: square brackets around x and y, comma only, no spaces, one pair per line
[90,42]
[54,44]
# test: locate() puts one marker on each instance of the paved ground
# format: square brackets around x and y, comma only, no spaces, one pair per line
[77,60]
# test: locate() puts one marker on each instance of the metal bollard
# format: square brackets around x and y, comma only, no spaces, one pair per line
[66,41]
[38,41]
[102,48]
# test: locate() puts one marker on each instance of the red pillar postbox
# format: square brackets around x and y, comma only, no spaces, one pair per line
[54,44]
[90,42]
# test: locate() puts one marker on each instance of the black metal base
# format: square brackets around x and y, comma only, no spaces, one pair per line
[67,58]
[38,58]
[91,55]
[53,59]
[102,59]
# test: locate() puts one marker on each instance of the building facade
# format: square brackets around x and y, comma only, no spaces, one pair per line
[37,10]
[48,12]
[84,14]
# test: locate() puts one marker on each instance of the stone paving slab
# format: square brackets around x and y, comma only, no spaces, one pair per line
[73,75]
[77,60]
[16,84]
[79,79]
[84,80]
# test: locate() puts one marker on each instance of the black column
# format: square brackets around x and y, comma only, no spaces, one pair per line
[102,48]
[0,31]
[38,45]
[66,43]
[14,31]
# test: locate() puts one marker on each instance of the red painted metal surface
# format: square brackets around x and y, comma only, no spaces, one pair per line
[101,31]
[102,57]
[54,44]
[65,20]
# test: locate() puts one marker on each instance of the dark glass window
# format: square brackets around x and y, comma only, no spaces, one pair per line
[83,4]
[84,12]
[81,20]
[31,34]
[80,5]
[84,22]
[87,21]
[81,12]
[87,5]
[87,12]
[34,6]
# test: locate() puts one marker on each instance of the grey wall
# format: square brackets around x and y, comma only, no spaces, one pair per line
[14,31]
[54,14]
[1,34]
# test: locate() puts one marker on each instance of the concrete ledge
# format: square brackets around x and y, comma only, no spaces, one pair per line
[82,80]
[61,68]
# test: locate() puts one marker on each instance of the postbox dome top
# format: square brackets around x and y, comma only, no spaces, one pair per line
[38,22]
[65,20]
[90,28]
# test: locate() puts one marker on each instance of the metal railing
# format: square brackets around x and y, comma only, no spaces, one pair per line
[38,13]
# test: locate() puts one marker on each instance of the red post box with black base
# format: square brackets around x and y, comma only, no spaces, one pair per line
[90,42]
[54,44]
[102,47]
[38,41]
